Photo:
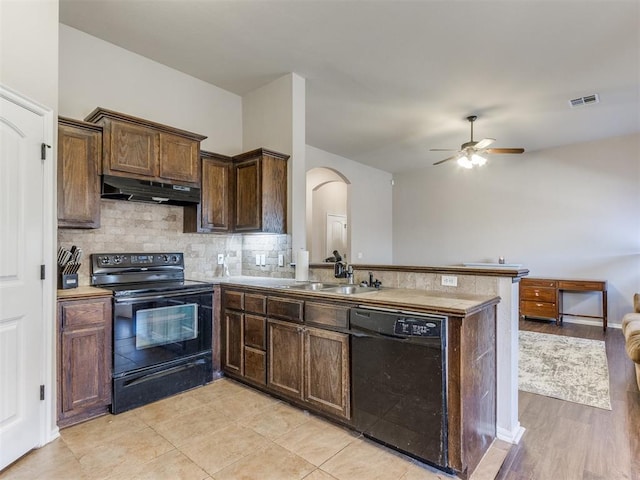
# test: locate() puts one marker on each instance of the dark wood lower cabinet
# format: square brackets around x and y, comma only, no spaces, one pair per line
[84,359]
[284,352]
[310,364]
[266,342]
[326,371]
[233,350]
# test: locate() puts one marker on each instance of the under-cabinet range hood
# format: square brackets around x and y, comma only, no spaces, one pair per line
[134,190]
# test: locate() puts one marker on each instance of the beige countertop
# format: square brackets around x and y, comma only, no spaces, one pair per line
[83,292]
[401,298]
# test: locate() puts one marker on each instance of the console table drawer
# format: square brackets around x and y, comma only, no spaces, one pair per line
[538,282]
[538,294]
[538,309]
[581,285]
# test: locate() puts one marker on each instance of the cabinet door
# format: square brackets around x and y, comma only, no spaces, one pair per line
[284,352]
[326,371]
[179,159]
[84,359]
[79,160]
[215,195]
[233,334]
[248,210]
[132,149]
[255,365]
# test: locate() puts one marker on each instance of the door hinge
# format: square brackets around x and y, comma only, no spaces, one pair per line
[41,392]
[42,272]
[43,151]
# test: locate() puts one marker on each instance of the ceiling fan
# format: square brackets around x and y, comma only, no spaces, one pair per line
[473,153]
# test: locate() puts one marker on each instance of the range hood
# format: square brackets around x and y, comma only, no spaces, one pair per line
[134,190]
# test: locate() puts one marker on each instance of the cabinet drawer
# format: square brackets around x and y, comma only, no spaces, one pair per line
[255,365]
[255,332]
[284,308]
[580,285]
[538,309]
[538,282]
[254,303]
[83,313]
[234,300]
[536,294]
[323,314]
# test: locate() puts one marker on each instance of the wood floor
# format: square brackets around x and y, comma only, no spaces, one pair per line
[568,441]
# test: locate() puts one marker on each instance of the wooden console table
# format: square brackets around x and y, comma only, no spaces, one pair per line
[542,297]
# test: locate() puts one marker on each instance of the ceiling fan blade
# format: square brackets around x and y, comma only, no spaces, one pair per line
[443,149]
[446,159]
[504,150]
[485,142]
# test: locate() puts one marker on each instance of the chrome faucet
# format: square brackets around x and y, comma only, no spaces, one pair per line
[342,269]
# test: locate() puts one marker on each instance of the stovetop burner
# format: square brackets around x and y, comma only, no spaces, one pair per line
[185,286]
[188,286]
[128,274]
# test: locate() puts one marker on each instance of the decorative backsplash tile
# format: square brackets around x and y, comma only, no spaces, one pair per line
[142,227]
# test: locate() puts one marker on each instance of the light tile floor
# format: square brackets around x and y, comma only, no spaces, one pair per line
[223,431]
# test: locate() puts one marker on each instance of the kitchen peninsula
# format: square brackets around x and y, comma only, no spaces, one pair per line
[284,338]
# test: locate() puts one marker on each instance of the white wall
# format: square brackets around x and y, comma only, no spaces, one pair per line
[570,212]
[274,118]
[29,66]
[370,209]
[29,49]
[95,73]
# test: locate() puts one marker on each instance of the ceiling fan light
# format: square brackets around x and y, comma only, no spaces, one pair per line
[464,162]
[478,160]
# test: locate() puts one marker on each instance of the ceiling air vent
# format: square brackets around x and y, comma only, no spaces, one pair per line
[586,100]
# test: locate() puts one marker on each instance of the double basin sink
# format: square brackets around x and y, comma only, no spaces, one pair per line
[330,288]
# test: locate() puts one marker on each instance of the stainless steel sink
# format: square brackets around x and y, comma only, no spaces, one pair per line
[350,289]
[311,286]
[329,288]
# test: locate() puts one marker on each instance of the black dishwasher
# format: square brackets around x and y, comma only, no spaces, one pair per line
[398,381]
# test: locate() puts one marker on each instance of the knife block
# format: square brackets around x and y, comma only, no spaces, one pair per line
[67,281]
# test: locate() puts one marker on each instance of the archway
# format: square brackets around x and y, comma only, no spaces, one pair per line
[327,214]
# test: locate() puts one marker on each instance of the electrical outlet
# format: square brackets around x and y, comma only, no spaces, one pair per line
[449,281]
[220,258]
[280,260]
[257,260]
[263,259]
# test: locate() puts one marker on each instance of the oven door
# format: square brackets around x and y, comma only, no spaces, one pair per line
[160,328]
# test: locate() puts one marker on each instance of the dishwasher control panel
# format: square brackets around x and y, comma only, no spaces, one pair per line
[417,327]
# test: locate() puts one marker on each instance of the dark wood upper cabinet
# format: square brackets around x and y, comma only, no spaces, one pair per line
[260,191]
[179,158]
[79,165]
[213,213]
[138,148]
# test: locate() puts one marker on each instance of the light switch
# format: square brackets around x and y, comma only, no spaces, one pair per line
[257,260]
[280,260]
[263,259]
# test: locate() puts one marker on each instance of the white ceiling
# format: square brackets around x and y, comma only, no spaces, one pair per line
[388,80]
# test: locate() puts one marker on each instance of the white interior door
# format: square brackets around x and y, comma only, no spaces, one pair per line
[22,133]
[336,234]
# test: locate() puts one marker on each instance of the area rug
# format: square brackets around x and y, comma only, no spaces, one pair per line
[568,368]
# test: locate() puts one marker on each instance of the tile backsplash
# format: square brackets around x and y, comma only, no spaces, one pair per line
[141,227]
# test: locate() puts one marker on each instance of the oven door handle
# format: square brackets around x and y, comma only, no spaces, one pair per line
[160,296]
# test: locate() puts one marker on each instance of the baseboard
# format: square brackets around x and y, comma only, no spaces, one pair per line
[586,321]
[511,436]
